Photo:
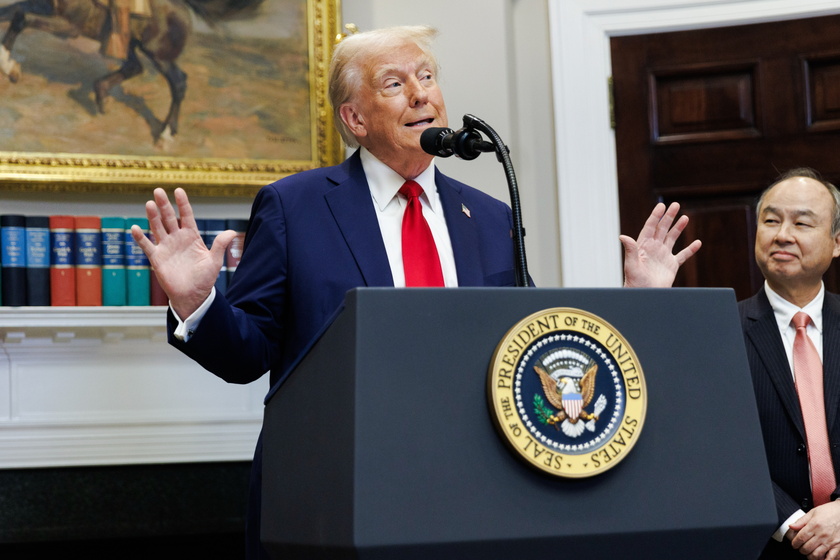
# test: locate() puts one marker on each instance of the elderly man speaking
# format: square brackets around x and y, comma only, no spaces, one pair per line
[384,217]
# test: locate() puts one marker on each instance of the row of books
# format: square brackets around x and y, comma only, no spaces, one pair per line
[90,260]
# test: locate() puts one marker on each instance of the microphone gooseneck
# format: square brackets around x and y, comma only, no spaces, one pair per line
[467,144]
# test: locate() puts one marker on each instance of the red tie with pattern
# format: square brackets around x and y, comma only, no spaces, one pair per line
[808,371]
[420,257]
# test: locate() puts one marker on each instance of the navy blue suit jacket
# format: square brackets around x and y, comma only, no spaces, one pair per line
[778,405]
[312,237]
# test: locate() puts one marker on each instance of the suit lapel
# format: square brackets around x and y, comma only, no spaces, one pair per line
[831,356]
[763,332]
[463,232]
[352,207]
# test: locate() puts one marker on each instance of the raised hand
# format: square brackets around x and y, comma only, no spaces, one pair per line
[649,261]
[185,268]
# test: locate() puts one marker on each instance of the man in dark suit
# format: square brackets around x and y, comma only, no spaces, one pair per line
[316,235]
[797,237]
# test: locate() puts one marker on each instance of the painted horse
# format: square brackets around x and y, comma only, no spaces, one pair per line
[160,36]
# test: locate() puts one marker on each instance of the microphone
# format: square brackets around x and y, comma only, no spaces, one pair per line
[465,143]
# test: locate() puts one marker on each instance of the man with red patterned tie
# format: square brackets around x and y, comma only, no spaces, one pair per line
[792,333]
[317,234]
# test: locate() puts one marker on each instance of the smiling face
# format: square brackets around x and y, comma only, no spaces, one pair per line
[399,98]
[794,245]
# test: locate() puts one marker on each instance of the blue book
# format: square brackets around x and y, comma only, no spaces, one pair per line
[13,259]
[114,289]
[138,280]
[212,228]
[88,260]
[37,260]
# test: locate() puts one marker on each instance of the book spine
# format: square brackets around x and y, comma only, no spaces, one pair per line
[13,259]
[113,261]
[212,228]
[136,266]
[62,273]
[37,260]
[234,251]
[88,261]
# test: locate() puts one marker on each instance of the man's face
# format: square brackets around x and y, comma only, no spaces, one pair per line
[793,243]
[398,100]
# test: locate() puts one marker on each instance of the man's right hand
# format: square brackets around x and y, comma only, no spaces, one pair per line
[185,268]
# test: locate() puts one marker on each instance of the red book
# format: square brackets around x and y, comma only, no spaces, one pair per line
[62,255]
[88,260]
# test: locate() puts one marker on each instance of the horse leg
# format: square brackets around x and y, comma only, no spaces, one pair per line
[130,68]
[177,80]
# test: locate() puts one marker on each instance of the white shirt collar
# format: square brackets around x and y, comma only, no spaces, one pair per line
[785,310]
[384,182]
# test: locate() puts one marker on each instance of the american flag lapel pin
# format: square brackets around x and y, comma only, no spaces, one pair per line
[465,210]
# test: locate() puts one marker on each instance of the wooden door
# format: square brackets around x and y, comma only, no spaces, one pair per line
[710,117]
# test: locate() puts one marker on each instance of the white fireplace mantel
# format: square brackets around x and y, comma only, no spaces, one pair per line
[101,386]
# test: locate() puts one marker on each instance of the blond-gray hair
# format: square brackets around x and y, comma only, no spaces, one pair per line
[345,76]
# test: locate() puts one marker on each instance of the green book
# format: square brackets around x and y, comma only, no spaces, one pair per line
[137,275]
[114,288]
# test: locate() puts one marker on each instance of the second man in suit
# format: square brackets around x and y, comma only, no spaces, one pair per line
[797,238]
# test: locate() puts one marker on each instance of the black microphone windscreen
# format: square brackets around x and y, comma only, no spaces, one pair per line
[432,141]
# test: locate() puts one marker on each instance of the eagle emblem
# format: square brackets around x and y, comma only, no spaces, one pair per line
[570,394]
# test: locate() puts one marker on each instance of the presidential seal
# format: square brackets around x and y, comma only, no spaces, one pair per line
[567,393]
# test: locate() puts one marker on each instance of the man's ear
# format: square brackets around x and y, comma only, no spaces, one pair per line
[353,120]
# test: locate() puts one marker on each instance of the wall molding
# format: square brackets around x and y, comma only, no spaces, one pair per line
[101,386]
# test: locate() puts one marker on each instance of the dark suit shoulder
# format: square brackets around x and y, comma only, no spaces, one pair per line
[832,301]
[311,178]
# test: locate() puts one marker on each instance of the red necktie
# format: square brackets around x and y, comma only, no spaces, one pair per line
[808,371]
[420,257]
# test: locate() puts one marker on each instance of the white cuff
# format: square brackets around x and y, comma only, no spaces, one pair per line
[186,328]
[780,533]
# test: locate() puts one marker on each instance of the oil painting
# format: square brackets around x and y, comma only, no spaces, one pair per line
[118,95]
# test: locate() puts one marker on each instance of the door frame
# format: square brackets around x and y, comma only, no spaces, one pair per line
[580,32]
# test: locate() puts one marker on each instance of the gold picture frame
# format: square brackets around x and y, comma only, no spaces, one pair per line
[256,107]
